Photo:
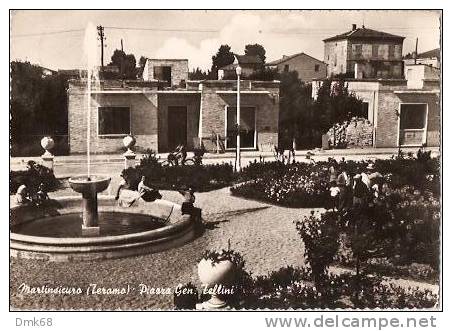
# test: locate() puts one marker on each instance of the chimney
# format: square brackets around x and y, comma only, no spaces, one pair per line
[353,27]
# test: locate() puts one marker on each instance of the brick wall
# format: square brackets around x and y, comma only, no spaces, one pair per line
[143,121]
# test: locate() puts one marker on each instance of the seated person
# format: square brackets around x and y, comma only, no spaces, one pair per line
[147,193]
[122,185]
[22,196]
[189,200]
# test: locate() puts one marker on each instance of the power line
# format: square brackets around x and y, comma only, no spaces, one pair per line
[159,29]
[45,33]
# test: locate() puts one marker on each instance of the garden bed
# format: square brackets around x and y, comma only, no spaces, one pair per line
[305,185]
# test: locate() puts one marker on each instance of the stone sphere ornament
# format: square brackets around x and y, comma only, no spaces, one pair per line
[47,143]
[129,141]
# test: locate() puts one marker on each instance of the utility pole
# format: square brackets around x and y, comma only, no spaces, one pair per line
[122,60]
[100,33]
[415,52]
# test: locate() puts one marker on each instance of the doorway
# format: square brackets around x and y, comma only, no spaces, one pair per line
[177,126]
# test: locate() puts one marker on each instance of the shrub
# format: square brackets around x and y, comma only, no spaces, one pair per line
[200,177]
[291,288]
[294,185]
[186,297]
[320,235]
[32,178]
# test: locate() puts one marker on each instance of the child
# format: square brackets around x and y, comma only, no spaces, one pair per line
[334,193]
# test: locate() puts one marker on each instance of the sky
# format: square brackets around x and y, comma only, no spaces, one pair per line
[56,39]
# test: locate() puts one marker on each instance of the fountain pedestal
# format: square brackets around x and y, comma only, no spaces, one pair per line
[90,225]
[89,187]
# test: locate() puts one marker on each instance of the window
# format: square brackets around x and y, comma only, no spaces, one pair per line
[286,68]
[247,124]
[114,121]
[413,124]
[391,51]
[412,116]
[163,73]
[316,68]
[358,50]
[374,51]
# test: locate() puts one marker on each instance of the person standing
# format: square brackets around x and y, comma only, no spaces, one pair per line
[360,192]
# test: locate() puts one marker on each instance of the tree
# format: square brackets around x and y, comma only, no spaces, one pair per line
[142,61]
[126,64]
[295,109]
[256,49]
[198,74]
[222,58]
[38,108]
[335,104]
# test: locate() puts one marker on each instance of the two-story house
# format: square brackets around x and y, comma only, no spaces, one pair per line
[364,53]
[307,67]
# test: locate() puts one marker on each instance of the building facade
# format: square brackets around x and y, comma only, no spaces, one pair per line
[402,113]
[307,67]
[364,53]
[161,118]
[431,58]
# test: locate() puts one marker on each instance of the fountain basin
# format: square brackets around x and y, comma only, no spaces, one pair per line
[176,230]
[96,184]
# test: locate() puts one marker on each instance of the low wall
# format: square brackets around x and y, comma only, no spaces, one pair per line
[178,230]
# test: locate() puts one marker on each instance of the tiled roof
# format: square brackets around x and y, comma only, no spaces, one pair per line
[248,59]
[365,33]
[286,58]
[430,54]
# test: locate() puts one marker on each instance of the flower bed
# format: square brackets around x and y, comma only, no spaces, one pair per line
[295,185]
[292,288]
[306,185]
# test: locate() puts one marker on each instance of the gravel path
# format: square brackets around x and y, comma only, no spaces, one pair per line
[263,233]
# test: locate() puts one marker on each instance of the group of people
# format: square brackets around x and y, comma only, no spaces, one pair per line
[147,193]
[354,190]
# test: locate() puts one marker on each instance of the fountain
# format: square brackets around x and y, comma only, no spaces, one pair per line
[52,230]
[89,185]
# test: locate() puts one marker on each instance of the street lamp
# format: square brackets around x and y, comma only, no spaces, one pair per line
[238,71]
